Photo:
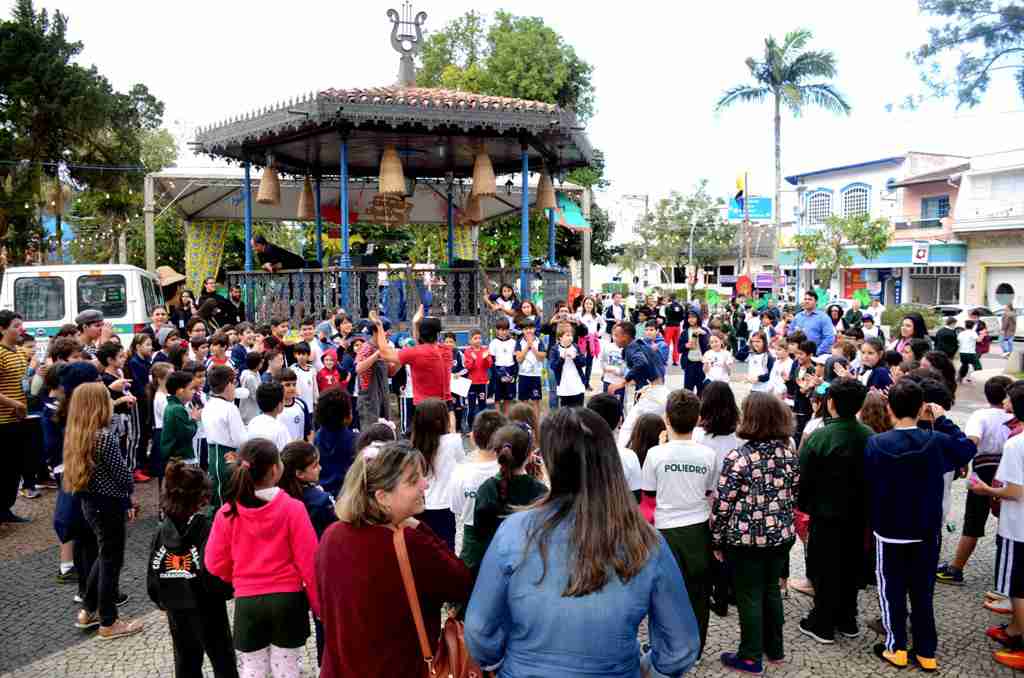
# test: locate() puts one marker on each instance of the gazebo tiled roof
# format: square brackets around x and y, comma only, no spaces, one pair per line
[425,97]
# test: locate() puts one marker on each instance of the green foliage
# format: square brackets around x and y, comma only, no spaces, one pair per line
[827,247]
[893,315]
[987,36]
[613,287]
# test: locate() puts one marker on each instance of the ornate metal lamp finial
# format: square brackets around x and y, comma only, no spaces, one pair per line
[406,39]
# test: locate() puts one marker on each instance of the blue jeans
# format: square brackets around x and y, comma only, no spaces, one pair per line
[1007,343]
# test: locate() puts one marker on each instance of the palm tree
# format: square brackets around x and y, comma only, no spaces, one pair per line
[784,75]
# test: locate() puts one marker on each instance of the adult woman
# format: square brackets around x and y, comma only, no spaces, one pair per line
[95,467]
[911,327]
[565,584]
[442,450]
[182,312]
[210,292]
[752,526]
[368,628]
[589,315]
[835,314]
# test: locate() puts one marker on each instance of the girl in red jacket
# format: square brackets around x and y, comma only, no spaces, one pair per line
[263,544]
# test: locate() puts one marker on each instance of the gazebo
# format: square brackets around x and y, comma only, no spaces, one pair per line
[403,141]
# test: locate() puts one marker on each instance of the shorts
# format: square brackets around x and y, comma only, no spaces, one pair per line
[1009,567]
[977,507]
[504,383]
[278,619]
[529,388]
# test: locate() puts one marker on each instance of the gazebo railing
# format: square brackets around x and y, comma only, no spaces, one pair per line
[454,294]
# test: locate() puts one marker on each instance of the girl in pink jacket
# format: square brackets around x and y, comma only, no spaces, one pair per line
[263,544]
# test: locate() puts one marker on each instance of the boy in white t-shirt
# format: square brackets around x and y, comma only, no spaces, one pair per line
[1010,537]
[305,376]
[503,350]
[680,475]
[780,370]
[295,416]
[270,398]
[610,409]
[612,367]
[469,476]
[531,351]
[968,341]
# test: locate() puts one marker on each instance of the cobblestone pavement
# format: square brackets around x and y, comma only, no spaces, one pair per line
[37,638]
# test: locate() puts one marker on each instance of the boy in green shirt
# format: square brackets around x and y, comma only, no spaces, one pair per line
[179,424]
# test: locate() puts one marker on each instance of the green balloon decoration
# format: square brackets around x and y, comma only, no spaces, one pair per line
[822,297]
[712,297]
[862,296]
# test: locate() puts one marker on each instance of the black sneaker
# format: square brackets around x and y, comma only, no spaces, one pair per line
[805,628]
[947,574]
[850,630]
[11,517]
[69,577]
[122,599]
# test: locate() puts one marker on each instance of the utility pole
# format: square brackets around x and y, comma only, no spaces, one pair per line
[746,223]
[587,242]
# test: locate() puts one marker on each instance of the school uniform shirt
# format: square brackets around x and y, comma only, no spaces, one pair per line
[1011,470]
[651,401]
[450,454]
[722,445]
[779,376]
[248,407]
[570,383]
[316,355]
[223,424]
[720,361]
[631,467]
[269,428]
[612,366]
[682,474]
[159,405]
[305,383]
[503,351]
[760,364]
[296,419]
[968,341]
[988,425]
[532,366]
[466,480]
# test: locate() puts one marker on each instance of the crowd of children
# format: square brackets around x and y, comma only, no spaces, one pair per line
[252,432]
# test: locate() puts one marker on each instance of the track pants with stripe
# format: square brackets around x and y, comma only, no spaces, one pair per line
[1009,573]
[902,570]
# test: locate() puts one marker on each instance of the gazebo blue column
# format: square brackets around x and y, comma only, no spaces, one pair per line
[451,228]
[524,235]
[319,222]
[346,257]
[247,199]
[551,237]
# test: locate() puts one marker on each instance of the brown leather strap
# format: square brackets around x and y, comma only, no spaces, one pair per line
[410,592]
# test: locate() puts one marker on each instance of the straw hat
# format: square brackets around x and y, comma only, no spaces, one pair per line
[392,179]
[269,192]
[168,276]
[546,193]
[307,210]
[484,183]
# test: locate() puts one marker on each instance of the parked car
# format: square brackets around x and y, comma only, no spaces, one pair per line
[962,312]
[1020,321]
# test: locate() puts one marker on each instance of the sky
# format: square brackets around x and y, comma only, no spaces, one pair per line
[658,69]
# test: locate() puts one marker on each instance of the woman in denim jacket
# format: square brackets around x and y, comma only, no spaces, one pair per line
[565,584]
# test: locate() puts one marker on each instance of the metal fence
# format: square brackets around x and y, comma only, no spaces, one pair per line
[455,294]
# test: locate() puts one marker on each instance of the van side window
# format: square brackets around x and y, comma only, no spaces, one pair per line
[150,295]
[105,293]
[39,299]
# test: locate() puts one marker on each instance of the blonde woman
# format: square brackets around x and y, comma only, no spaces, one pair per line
[97,469]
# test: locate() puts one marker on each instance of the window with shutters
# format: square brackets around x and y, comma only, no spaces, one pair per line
[819,207]
[856,200]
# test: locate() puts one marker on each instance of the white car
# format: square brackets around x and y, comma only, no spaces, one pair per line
[962,312]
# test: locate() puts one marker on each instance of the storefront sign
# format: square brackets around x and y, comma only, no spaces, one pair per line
[763,280]
[919,253]
[743,285]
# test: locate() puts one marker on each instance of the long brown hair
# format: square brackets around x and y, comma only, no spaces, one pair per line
[512,442]
[646,434]
[429,423]
[765,417]
[90,411]
[874,413]
[375,469]
[296,456]
[256,458]
[588,488]
[186,490]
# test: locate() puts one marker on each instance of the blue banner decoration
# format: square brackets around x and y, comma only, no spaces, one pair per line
[760,208]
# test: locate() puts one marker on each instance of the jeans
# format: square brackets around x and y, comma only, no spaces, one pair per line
[107,518]
[1007,342]
[756,572]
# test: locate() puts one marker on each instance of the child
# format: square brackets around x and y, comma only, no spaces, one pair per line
[513,445]
[156,395]
[693,343]
[610,410]
[904,469]
[680,475]
[270,398]
[646,435]
[263,544]
[180,424]
[612,367]
[137,370]
[199,399]
[467,479]
[478,360]
[968,341]
[307,332]
[219,346]
[301,480]
[126,422]
[166,339]
[224,429]
[567,365]
[986,428]
[335,440]
[296,415]
[442,450]
[503,350]
[1009,538]
[329,376]
[200,350]
[654,340]
[458,370]
[870,330]
[875,373]
[831,493]
[531,351]
[177,582]
[760,362]
[305,375]
[717,361]
[780,370]
[801,382]
[250,381]
[273,363]
[243,341]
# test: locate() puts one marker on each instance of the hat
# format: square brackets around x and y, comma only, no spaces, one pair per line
[88,317]
[867,317]
[168,276]
[162,334]
[75,374]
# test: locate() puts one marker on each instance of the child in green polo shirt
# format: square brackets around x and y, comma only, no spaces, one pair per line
[179,423]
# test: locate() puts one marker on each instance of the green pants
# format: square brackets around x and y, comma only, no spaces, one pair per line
[755,573]
[691,545]
[220,473]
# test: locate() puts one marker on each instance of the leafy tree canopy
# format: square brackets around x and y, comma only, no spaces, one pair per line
[987,36]
[828,246]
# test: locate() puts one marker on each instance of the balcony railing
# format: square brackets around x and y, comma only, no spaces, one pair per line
[913,224]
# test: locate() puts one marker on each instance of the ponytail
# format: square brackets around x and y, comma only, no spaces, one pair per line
[512,442]
[256,458]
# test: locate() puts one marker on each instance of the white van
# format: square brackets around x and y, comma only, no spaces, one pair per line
[47,297]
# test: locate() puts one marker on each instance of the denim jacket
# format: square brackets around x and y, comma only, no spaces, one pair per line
[532,631]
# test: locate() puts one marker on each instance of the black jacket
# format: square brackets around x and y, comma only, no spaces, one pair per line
[945,341]
[175,576]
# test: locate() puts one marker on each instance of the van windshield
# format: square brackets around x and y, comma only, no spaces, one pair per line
[105,293]
[39,299]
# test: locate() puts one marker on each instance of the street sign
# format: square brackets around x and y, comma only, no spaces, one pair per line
[760,209]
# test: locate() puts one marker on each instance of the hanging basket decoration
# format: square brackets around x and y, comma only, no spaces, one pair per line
[472,212]
[392,179]
[58,198]
[269,192]
[484,183]
[307,210]
[546,193]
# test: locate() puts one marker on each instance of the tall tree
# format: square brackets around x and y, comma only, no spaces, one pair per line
[987,35]
[790,75]
[828,247]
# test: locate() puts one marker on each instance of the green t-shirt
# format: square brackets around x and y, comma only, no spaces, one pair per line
[491,510]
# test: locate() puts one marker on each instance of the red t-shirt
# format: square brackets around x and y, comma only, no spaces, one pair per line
[431,366]
[477,364]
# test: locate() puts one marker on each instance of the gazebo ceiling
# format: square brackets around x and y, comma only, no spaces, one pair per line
[436,131]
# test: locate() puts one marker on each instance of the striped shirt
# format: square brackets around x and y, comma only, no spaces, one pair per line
[13,368]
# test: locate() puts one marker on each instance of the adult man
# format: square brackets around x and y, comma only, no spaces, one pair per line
[643,367]
[15,428]
[158,318]
[92,328]
[234,310]
[1008,328]
[815,325]
[853,318]
[615,313]
[429,361]
[274,258]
